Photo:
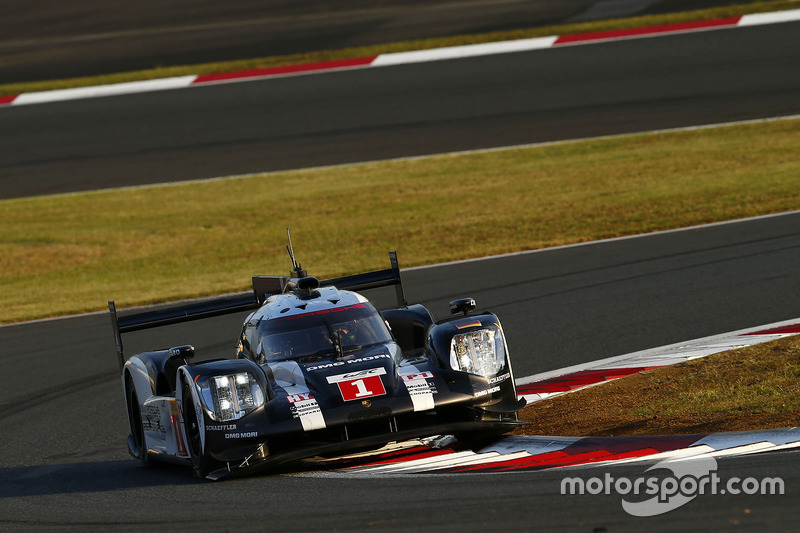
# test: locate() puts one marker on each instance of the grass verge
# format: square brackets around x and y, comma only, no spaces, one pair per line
[751,388]
[421,44]
[70,253]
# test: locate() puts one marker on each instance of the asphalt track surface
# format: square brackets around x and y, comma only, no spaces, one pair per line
[377,113]
[64,461]
[53,39]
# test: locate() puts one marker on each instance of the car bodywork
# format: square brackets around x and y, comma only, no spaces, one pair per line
[318,370]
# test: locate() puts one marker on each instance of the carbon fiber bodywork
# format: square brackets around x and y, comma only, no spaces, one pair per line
[300,387]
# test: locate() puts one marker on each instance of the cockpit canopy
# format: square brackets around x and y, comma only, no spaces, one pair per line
[320,333]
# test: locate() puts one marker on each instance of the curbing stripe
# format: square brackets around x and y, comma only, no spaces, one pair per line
[549,384]
[77,93]
[776,17]
[460,52]
[587,452]
[288,70]
[399,58]
[649,31]
[679,351]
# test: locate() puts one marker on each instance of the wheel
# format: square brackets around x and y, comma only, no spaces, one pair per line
[201,463]
[137,441]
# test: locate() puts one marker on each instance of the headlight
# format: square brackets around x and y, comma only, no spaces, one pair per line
[478,352]
[230,397]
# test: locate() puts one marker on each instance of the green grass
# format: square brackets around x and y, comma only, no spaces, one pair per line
[70,253]
[367,51]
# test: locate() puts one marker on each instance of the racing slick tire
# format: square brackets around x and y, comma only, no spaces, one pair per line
[201,463]
[137,426]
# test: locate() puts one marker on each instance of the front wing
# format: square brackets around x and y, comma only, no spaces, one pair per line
[250,466]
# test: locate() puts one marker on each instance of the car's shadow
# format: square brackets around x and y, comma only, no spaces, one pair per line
[105,476]
[96,472]
[94,476]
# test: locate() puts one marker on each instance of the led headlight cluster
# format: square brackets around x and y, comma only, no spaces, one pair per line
[230,397]
[478,352]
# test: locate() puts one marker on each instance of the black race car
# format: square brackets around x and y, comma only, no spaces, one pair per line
[318,371]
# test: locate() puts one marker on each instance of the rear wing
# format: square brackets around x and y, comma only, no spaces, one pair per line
[263,287]
[373,280]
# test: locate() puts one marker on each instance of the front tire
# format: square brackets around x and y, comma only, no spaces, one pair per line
[137,426]
[201,463]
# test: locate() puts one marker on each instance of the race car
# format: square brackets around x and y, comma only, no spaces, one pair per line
[317,371]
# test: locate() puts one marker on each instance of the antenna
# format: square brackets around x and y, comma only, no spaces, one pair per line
[290,249]
[297,270]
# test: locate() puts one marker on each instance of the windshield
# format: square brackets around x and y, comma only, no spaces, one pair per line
[320,333]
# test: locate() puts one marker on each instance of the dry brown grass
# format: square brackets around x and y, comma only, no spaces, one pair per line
[751,388]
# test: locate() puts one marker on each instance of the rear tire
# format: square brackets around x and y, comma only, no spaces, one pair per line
[201,463]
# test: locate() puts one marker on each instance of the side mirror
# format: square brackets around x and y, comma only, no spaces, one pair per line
[463,305]
[181,352]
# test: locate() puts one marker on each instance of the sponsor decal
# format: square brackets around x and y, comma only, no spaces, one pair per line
[485,392]
[221,427]
[499,379]
[305,408]
[326,365]
[416,376]
[360,384]
[294,398]
[370,358]
[247,435]
[308,412]
[470,324]
[151,418]
[348,362]
[419,390]
[379,371]
[421,395]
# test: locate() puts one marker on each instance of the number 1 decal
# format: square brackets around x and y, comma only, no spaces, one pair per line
[358,389]
[362,389]
[360,383]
